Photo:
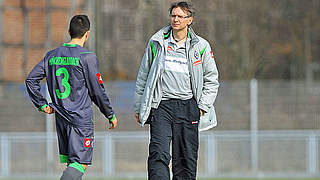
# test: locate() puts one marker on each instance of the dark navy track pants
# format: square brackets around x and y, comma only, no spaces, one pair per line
[174,121]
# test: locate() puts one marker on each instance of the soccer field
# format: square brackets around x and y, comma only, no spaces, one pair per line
[225,179]
[199,179]
[219,179]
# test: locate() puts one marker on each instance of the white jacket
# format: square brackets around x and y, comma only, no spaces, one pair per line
[203,72]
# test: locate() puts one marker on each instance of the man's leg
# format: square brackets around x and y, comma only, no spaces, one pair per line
[159,147]
[185,142]
[63,141]
[80,150]
[74,171]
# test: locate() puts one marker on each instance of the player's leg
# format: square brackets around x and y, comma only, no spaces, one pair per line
[185,142]
[80,152]
[74,171]
[63,140]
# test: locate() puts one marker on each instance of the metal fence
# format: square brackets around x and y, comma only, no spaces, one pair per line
[283,117]
[124,154]
[273,104]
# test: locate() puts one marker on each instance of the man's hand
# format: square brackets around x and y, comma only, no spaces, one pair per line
[114,123]
[137,118]
[48,110]
[201,112]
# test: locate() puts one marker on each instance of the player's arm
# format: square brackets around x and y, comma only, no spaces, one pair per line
[96,89]
[34,87]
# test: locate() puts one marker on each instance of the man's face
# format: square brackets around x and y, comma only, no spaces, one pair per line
[180,19]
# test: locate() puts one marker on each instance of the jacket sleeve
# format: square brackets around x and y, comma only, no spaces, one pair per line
[143,73]
[33,85]
[210,79]
[95,86]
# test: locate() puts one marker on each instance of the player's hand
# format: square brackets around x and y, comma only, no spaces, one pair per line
[137,118]
[48,110]
[114,123]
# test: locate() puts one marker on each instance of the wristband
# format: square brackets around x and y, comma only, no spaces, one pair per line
[113,117]
[42,107]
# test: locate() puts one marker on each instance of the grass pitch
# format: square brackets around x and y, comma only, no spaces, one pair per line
[198,179]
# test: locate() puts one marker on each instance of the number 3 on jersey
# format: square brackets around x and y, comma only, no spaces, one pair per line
[64,82]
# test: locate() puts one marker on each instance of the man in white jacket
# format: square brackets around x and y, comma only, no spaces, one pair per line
[176,87]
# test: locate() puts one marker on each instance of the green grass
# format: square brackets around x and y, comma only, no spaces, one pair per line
[225,179]
[199,179]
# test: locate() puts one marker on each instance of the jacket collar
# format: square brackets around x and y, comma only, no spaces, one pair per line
[164,33]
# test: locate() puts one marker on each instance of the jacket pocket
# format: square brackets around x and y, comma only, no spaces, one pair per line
[151,116]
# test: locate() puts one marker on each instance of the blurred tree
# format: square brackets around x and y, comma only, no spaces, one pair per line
[265,39]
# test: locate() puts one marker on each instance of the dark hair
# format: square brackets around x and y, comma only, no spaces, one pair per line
[185,6]
[79,25]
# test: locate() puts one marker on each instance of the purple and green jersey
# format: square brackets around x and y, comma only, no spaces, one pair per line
[73,81]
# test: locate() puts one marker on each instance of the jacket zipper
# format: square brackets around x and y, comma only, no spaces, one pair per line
[191,71]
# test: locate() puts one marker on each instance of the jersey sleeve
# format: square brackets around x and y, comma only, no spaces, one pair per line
[33,85]
[95,86]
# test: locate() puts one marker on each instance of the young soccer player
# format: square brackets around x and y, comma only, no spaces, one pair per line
[74,82]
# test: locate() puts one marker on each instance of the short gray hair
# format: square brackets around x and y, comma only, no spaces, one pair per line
[185,6]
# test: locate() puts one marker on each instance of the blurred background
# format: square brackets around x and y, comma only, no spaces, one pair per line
[268,106]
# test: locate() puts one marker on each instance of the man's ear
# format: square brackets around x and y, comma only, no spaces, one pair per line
[87,34]
[69,32]
[190,21]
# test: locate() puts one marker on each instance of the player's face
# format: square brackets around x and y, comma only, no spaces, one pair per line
[180,19]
